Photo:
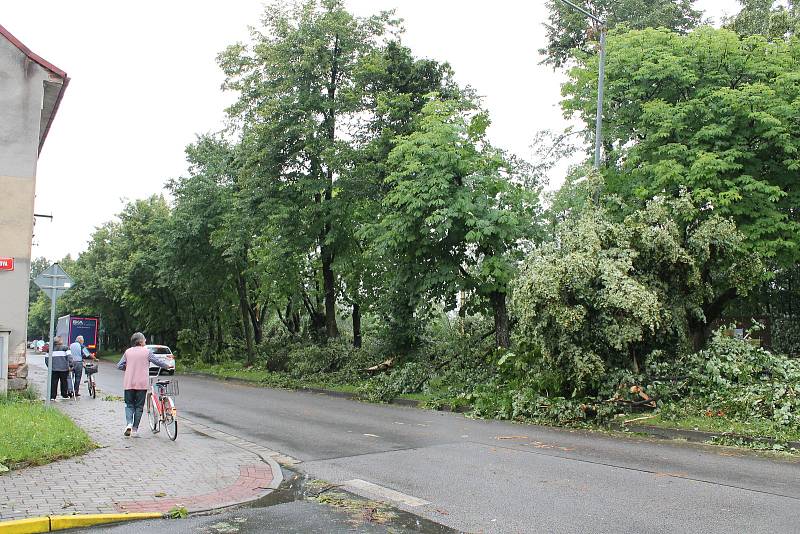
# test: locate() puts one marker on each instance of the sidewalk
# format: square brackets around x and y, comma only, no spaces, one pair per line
[145,474]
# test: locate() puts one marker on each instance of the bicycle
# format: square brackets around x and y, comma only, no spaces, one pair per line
[90,369]
[161,406]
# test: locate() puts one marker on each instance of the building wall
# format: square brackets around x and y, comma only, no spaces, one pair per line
[21,94]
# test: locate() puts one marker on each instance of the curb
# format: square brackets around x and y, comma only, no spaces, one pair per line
[277,472]
[696,436]
[320,391]
[52,523]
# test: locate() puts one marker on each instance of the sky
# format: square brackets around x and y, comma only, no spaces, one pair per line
[144,83]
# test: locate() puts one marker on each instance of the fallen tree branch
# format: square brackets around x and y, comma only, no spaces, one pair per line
[639,418]
[380,368]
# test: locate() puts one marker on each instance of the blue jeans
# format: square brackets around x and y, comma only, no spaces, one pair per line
[134,405]
[77,374]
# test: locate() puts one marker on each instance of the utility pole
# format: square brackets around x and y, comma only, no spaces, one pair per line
[601,75]
[53,281]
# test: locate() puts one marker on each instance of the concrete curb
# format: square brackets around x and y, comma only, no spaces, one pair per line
[330,393]
[696,436]
[266,456]
[52,523]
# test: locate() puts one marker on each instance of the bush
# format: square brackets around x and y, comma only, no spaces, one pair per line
[737,379]
[606,293]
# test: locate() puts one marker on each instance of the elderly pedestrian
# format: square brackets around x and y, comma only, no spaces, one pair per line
[136,364]
[78,352]
[61,364]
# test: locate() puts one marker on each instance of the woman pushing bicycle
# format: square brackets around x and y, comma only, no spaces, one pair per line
[136,364]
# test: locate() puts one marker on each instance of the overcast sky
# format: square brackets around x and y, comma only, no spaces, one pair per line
[145,82]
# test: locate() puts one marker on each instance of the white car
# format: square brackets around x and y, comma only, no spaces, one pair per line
[162,351]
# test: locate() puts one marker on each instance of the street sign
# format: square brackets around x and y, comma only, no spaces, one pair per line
[6,264]
[54,281]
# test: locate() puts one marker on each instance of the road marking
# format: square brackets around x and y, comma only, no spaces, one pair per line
[385,493]
[372,435]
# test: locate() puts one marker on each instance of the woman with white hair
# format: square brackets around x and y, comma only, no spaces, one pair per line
[136,364]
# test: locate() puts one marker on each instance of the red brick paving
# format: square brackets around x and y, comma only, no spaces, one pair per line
[253,481]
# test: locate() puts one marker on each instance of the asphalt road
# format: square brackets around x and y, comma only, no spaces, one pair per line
[490,476]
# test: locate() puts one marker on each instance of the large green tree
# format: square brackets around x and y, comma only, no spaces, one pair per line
[298,108]
[395,88]
[456,214]
[707,114]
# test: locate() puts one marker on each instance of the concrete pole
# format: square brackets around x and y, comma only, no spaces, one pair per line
[53,292]
[601,76]
[598,130]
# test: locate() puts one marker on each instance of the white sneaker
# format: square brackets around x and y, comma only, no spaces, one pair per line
[128,431]
[135,433]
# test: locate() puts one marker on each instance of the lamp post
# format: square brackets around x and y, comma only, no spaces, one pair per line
[601,75]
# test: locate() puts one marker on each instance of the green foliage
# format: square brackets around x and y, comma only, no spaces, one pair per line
[569,31]
[786,334]
[178,512]
[456,212]
[707,114]
[410,378]
[605,294]
[734,377]
[769,18]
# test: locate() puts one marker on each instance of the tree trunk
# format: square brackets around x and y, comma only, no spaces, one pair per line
[501,325]
[220,337]
[244,307]
[700,331]
[211,340]
[257,325]
[328,278]
[356,325]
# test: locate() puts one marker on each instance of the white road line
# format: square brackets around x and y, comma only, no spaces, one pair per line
[385,493]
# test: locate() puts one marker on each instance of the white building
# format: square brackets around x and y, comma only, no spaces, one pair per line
[30,93]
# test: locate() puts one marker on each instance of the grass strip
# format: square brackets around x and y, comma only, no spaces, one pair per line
[32,434]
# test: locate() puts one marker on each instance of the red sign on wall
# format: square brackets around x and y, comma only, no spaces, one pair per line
[6,264]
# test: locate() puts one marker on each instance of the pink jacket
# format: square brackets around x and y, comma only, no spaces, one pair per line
[136,362]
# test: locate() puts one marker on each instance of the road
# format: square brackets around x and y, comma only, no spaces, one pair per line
[490,476]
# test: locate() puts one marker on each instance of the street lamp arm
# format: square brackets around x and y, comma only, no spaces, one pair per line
[579,8]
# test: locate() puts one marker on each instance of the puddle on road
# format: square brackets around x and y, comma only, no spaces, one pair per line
[298,487]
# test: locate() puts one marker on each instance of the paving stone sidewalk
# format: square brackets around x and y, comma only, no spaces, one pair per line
[149,473]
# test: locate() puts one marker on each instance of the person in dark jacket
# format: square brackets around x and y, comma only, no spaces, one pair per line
[61,366]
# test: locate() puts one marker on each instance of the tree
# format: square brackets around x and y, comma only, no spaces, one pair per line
[38,266]
[706,114]
[395,88]
[203,264]
[769,18]
[456,214]
[569,30]
[606,294]
[298,101]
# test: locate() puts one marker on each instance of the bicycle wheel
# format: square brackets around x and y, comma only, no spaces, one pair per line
[92,389]
[152,414]
[170,421]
